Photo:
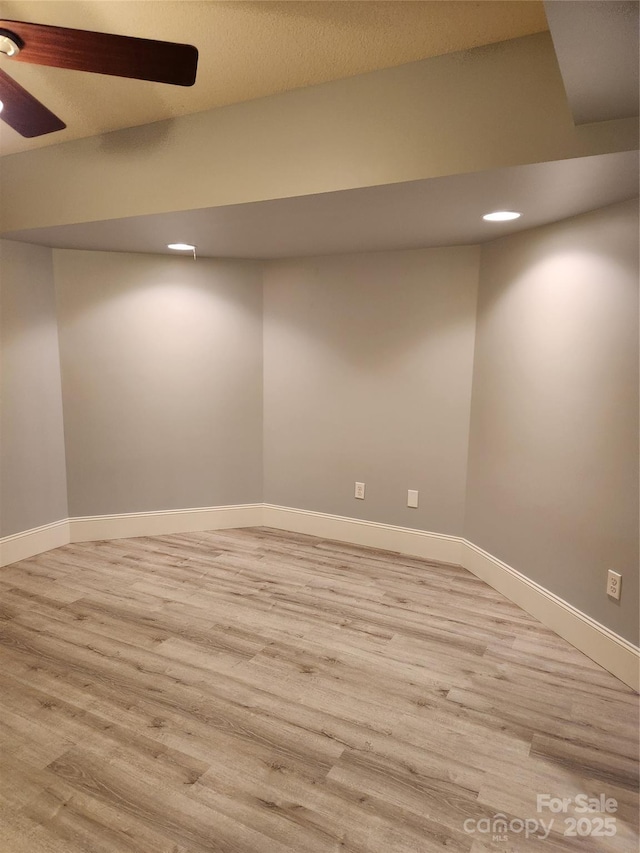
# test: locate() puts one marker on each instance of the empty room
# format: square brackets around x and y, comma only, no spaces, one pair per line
[319,426]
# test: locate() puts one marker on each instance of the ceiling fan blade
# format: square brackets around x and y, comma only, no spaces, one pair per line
[23,112]
[103,53]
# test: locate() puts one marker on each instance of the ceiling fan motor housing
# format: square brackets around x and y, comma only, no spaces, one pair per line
[10,43]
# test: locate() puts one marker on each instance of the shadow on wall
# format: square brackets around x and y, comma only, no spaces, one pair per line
[141,139]
[376,310]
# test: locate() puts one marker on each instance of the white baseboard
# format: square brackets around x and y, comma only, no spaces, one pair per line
[29,543]
[438,547]
[602,645]
[126,525]
[605,647]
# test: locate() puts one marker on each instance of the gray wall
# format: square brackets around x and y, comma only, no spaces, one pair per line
[367,376]
[553,459]
[33,488]
[162,381]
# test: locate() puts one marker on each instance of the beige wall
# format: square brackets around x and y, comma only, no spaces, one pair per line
[33,488]
[553,460]
[491,107]
[162,381]
[367,376]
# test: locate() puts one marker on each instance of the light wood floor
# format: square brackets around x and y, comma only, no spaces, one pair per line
[254,691]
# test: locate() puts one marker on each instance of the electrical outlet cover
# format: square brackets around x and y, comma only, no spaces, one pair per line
[614,582]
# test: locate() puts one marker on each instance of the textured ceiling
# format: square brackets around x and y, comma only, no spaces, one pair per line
[247,50]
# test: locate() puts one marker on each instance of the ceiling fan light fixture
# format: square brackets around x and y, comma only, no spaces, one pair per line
[10,44]
[181,247]
[501,216]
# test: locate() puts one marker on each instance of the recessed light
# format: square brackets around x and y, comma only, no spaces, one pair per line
[1,106]
[181,247]
[501,216]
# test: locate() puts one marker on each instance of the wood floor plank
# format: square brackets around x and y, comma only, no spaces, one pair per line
[257,691]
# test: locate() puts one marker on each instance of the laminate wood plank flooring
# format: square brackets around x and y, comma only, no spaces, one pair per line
[255,691]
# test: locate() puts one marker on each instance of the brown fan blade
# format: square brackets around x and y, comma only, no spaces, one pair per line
[103,53]
[23,112]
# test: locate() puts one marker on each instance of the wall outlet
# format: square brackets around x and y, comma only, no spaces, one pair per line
[412,498]
[359,493]
[614,582]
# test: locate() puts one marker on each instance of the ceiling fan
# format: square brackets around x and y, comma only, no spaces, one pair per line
[82,50]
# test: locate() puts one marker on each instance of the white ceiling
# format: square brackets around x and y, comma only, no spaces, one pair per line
[247,50]
[597,48]
[435,212]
